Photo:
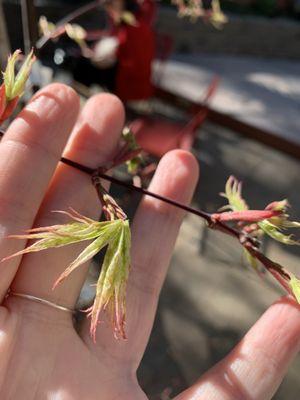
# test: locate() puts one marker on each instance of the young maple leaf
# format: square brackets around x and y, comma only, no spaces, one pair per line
[233,193]
[111,285]
[277,225]
[272,221]
[13,86]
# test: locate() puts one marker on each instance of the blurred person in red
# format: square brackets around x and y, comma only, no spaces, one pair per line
[135,53]
[121,60]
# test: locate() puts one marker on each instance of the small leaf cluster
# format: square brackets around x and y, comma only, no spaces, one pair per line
[111,285]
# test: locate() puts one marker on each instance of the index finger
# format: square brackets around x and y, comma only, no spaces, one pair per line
[29,153]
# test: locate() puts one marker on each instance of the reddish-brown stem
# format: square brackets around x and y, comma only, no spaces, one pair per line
[248,242]
[110,208]
[217,225]
[277,270]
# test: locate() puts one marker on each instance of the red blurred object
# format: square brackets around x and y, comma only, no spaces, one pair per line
[157,136]
[2,99]
[135,55]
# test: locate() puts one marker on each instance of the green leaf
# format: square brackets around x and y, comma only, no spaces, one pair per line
[275,233]
[22,76]
[111,285]
[233,193]
[104,237]
[63,235]
[9,74]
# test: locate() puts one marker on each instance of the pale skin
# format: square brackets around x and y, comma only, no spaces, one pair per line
[42,355]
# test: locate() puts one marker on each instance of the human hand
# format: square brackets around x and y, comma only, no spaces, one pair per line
[42,355]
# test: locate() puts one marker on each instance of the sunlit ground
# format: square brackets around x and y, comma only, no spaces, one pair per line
[211,298]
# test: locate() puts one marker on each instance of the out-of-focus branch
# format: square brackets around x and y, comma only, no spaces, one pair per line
[67,19]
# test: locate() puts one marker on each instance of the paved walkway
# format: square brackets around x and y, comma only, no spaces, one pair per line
[262,92]
[195,325]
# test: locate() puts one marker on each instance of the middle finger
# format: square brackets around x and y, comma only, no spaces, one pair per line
[92,143]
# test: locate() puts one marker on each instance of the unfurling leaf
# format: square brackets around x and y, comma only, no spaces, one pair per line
[233,193]
[61,235]
[104,234]
[272,221]
[275,232]
[111,286]
[275,226]
[15,85]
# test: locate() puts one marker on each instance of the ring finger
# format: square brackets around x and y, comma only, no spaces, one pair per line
[29,153]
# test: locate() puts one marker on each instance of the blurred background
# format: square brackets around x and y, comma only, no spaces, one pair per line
[223,83]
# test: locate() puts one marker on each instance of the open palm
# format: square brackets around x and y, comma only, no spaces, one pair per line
[43,355]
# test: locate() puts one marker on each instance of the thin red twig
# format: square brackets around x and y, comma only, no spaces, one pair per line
[248,242]
[200,213]
[217,225]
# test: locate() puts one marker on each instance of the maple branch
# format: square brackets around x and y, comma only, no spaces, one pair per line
[249,243]
[217,225]
[211,222]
